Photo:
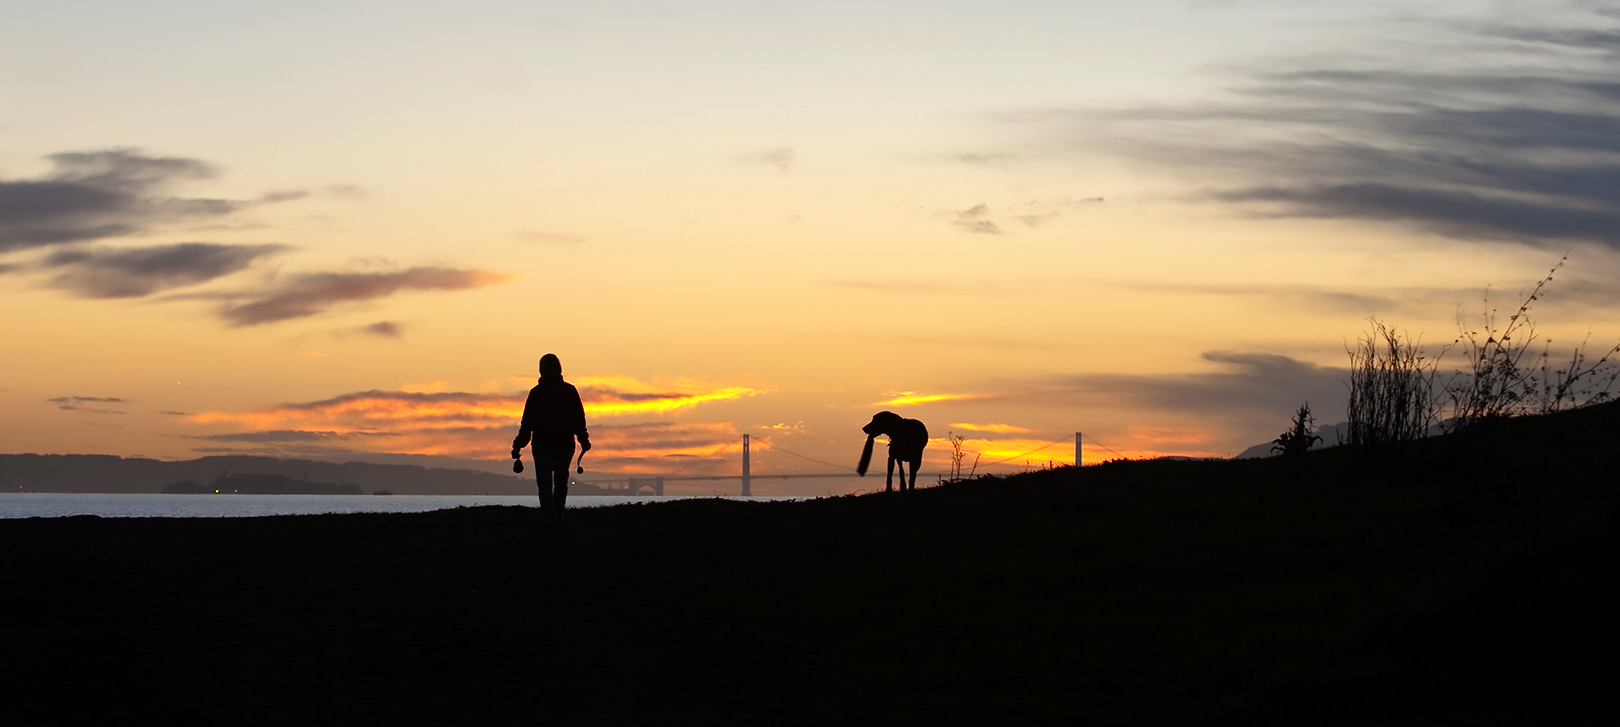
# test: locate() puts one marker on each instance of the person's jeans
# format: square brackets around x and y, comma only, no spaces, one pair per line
[553,466]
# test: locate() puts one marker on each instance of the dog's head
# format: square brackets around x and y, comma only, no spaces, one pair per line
[882,423]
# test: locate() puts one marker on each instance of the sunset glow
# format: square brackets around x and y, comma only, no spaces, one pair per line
[1156,223]
[907,398]
[992,428]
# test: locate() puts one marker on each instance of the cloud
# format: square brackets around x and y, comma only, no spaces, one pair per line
[997,160]
[621,395]
[1036,213]
[1340,301]
[1033,214]
[309,294]
[102,272]
[103,194]
[1515,142]
[285,436]
[384,329]
[466,424]
[1175,437]
[1034,221]
[283,196]
[87,404]
[991,428]
[973,220]
[781,157]
[911,398]
[666,448]
[1255,386]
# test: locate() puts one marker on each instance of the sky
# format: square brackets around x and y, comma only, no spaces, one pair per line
[348,230]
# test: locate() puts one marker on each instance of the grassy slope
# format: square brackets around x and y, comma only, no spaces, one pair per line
[1468,582]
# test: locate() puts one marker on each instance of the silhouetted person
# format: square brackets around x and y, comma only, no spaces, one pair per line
[552,417]
[907,437]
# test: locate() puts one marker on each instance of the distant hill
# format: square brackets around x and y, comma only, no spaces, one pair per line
[103,473]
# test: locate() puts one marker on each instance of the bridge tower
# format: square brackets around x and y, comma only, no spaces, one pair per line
[1077,450]
[746,478]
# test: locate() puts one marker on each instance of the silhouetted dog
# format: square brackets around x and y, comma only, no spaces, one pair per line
[907,437]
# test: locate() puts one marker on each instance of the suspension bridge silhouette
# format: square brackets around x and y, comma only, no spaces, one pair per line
[753,459]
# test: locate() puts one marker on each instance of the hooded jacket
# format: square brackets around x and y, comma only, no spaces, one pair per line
[552,416]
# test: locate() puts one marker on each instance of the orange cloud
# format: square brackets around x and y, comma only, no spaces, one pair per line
[480,426]
[910,398]
[992,428]
[621,395]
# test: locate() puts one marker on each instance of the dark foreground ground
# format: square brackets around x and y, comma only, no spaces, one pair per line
[1471,582]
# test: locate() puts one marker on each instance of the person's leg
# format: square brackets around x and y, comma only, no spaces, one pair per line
[544,466]
[559,480]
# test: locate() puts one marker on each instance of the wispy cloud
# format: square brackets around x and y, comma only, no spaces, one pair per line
[911,398]
[980,219]
[105,272]
[691,448]
[118,193]
[782,157]
[998,160]
[974,220]
[990,428]
[88,404]
[622,395]
[1515,145]
[309,294]
[384,329]
[1239,388]
[97,195]
[1362,302]
[286,436]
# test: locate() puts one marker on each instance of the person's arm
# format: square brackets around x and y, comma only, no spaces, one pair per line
[579,424]
[525,429]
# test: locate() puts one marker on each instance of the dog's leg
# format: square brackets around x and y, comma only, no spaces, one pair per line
[914,463]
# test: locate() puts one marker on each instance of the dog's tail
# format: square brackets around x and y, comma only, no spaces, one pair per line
[866,457]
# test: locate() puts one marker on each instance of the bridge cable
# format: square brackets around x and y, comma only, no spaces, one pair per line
[1093,440]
